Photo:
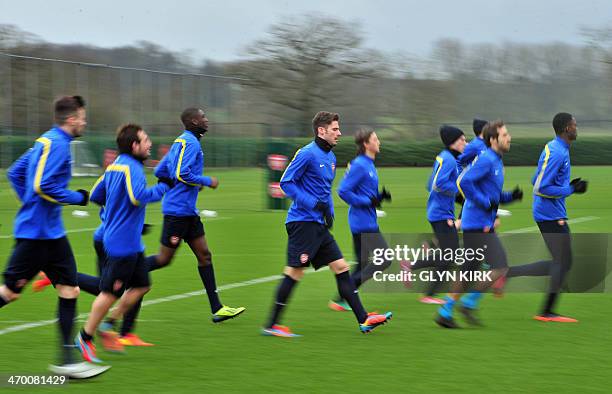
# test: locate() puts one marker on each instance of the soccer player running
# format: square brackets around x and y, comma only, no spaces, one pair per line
[308,182]
[40,178]
[481,184]
[184,164]
[476,146]
[443,193]
[123,192]
[551,186]
[359,189]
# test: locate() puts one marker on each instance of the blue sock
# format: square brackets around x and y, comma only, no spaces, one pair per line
[446,310]
[471,299]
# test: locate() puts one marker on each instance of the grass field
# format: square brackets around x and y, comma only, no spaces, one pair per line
[511,354]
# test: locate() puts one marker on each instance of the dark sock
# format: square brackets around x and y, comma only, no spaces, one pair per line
[550,303]
[66,311]
[3,302]
[129,319]
[282,295]
[540,268]
[207,274]
[151,262]
[89,284]
[85,335]
[347,290]
[356,277]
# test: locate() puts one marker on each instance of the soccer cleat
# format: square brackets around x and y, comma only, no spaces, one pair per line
[87,349]
[339,305]
[41,283]
[446,322]
[278,331]
[470,315]
[432,300]
[226,313]
[406,267]
[110,341]
[374,320]
[133,340]
[498,286]
[553,317]
[79,370]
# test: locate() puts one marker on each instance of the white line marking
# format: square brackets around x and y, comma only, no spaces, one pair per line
[535,228]
[175,297]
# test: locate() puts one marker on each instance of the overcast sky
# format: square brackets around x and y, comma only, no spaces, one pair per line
[219,30]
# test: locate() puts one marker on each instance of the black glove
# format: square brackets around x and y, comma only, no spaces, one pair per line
[328,218]
[459,198]
[493,205]
[166,180]
[375,202]
[146,228]
[517,194]
[579,185]
[85,194]
[385,195]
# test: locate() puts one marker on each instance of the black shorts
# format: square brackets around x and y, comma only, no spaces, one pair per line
[177,228]
[310,243]
[123,273]
[30,256]
[365,244]
[489,245]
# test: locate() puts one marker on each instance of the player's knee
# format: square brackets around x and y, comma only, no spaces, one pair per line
[205,258]
[68,291]
[294,273]
[339,266]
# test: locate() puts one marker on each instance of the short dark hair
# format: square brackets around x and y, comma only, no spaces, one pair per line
[362,136]
[188,114]
[323,119]
[67,106]
[491,131]
[127,134]
[561,121]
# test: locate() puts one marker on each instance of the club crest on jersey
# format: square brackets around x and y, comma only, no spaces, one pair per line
[304,258]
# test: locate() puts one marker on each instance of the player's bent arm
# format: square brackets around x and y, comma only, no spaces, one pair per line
[443,183]
[48,164]
[292,174]
[545,181]
[17,174]
[185,168]
[98,192]
[505,197]
[467,183]
[348,187]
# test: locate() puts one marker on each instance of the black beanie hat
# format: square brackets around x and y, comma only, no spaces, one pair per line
[449,134]
[478,125]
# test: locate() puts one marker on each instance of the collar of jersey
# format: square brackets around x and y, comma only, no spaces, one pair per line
[324,145]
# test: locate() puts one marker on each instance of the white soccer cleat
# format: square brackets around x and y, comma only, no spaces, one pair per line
[80,214]
[503,213]
[380,214]
[83,370]
[208,214]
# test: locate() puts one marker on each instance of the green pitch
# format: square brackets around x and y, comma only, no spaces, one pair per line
[511,354]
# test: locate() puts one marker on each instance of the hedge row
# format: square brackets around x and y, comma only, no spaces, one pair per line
[246,152]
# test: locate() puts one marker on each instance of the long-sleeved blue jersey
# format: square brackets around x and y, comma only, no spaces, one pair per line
[307,180]
[40,178]
[184,163]
[442,187]
[359,186]
[472,150]
[551,182]
[482,184]
[124,194]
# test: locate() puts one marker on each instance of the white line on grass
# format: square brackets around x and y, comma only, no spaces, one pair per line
[251,282]
[175,297]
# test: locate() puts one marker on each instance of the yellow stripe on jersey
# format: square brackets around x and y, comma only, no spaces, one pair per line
[536,185]
[40,169]
[125,169]
[433,183]
[180,162]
